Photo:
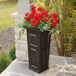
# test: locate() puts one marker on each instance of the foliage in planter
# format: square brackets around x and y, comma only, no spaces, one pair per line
[39,19]
[4,61]
[12,53]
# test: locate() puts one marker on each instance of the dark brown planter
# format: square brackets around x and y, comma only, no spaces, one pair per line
[38,49]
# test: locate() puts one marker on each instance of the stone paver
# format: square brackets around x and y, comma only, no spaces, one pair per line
[71,60]
[58,66]
[57,60]
[65,74]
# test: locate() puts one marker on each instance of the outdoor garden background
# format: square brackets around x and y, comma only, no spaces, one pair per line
[63,42]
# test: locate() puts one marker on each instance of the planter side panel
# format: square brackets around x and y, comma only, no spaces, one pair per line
[44,50]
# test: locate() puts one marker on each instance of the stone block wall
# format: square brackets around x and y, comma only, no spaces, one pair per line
[6,40]
[21,45]
[24,6]
[53,47]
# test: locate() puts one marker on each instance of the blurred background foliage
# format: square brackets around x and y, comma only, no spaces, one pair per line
[5,60]
[12,54]
[6,9]
[66,11]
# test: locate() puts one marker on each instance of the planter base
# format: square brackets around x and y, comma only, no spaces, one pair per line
[44,69]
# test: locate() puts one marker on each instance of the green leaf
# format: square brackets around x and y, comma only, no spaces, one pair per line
[57,32]
[19,35]
[23,30]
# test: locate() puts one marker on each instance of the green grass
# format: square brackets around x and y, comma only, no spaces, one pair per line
[6,9]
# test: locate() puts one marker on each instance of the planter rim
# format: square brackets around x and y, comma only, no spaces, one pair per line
[33,29]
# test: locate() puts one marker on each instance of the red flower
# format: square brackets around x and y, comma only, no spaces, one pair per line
[34,22]
[55,21]
[49,16]
[31,16]
[27,19]
[40,9]
[26,14]
[33,13]
[46,20]
[53,25]
[39,16]
[35,16]
[54,15]
[50,21]
[33,9]
[45,14]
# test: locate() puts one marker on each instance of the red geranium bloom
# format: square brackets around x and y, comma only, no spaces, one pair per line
[33,13]
[39,16]
[31,16]
[40,9]
[49,16]
[32,22]
[35,23]
[53,25]
[33,9]
[46,20]
[54,15]
[27,19]
[35,16]
[45,14]
[55,20]
[26,14]
[50,21]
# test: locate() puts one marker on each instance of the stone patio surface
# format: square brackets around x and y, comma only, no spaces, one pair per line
[58,66]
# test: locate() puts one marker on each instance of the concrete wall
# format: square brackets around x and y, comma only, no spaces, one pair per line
[6,40]
[21,45]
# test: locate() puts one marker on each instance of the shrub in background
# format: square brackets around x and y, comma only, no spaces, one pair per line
[4,61]
[12,52]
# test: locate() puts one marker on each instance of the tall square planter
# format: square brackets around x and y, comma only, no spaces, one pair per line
[38,49]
